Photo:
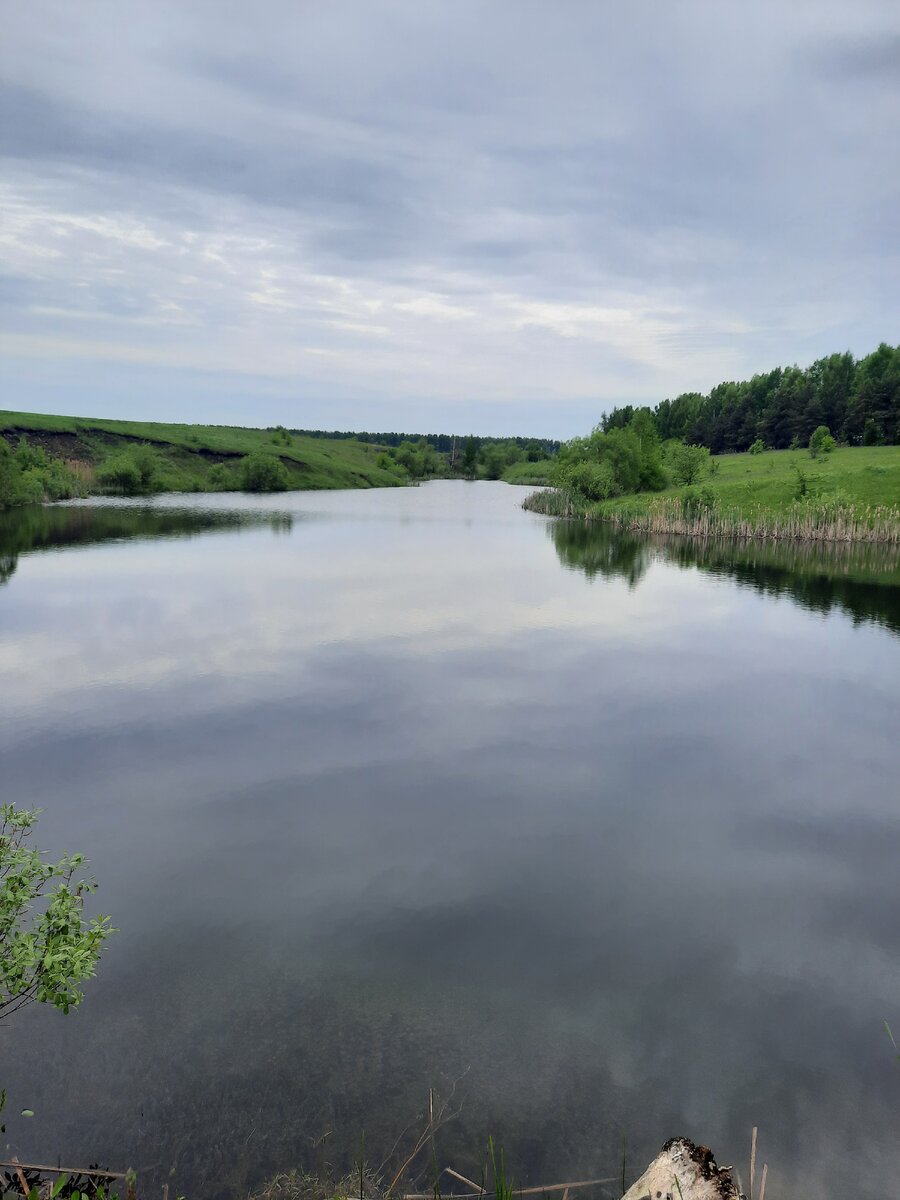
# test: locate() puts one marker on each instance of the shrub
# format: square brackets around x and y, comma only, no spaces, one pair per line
[120,473]
[30,476]
[61,482]
[144,458]
[592,481]
[687,463]
[31,457]
[801,487]
[261,472]
[10,478]
[821,441]
[46,950]
[758,447]
[694,504]
[132,472]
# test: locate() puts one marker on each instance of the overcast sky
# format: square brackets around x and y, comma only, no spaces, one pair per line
[474,215]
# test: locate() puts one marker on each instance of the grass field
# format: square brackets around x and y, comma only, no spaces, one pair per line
[187,453]
[537,474]
[779,493]
[855,475]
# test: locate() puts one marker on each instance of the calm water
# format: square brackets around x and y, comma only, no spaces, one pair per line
[399,789]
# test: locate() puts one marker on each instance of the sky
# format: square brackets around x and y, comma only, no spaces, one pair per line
[487,216]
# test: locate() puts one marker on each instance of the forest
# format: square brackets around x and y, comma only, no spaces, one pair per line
[857,399]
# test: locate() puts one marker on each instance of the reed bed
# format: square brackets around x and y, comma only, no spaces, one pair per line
[805,521]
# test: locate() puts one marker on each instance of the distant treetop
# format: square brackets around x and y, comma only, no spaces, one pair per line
[858,400]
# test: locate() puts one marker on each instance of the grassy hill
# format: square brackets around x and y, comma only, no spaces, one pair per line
[188,453]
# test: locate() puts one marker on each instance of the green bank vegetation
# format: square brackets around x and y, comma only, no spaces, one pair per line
[847,494]
[48,949]
[46,457]
[668,469]
[51,458]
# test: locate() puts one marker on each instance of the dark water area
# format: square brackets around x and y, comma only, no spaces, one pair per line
[402,789]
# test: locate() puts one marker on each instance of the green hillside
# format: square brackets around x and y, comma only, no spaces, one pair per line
[197,457]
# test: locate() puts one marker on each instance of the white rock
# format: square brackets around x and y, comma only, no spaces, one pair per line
[683,1171]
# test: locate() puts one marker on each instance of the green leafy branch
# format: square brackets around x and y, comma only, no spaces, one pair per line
[47,947]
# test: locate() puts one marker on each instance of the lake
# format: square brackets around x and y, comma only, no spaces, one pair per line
[395,790]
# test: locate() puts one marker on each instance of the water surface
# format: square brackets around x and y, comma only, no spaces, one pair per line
[397,789]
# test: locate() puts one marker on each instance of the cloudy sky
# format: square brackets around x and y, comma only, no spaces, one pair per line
[498,216]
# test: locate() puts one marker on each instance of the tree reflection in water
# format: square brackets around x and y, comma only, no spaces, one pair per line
[861,579]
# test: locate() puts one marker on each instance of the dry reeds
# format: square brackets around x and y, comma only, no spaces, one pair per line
[809,521]
[803,521]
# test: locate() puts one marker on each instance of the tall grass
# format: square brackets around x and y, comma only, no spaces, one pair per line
[555,503]
[807,520]
[804,521]
[504,1188]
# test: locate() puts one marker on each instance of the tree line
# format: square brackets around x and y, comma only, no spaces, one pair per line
[443,443]
[471,457]
[858,400]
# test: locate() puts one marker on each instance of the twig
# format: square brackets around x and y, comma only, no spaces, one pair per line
[529,1191]
[436,1122]
[23,1182]
[753,1158]
[462,1178]
[65,1170]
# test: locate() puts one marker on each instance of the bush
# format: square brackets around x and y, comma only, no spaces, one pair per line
[592,481]
[30,457]
[261,472]
[61,482]
[144,458]
[801,487]
[120,474]
[10,477]
[757,447]
[694,504]
[687,463]
[30,476]
[821,441]
[622,461]
[132,472]
[46,950]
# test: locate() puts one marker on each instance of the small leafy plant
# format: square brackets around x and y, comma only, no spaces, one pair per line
[47,948]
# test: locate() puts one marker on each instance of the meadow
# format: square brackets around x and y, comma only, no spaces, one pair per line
[852,493]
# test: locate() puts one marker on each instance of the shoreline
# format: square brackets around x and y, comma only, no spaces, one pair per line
[695,516]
